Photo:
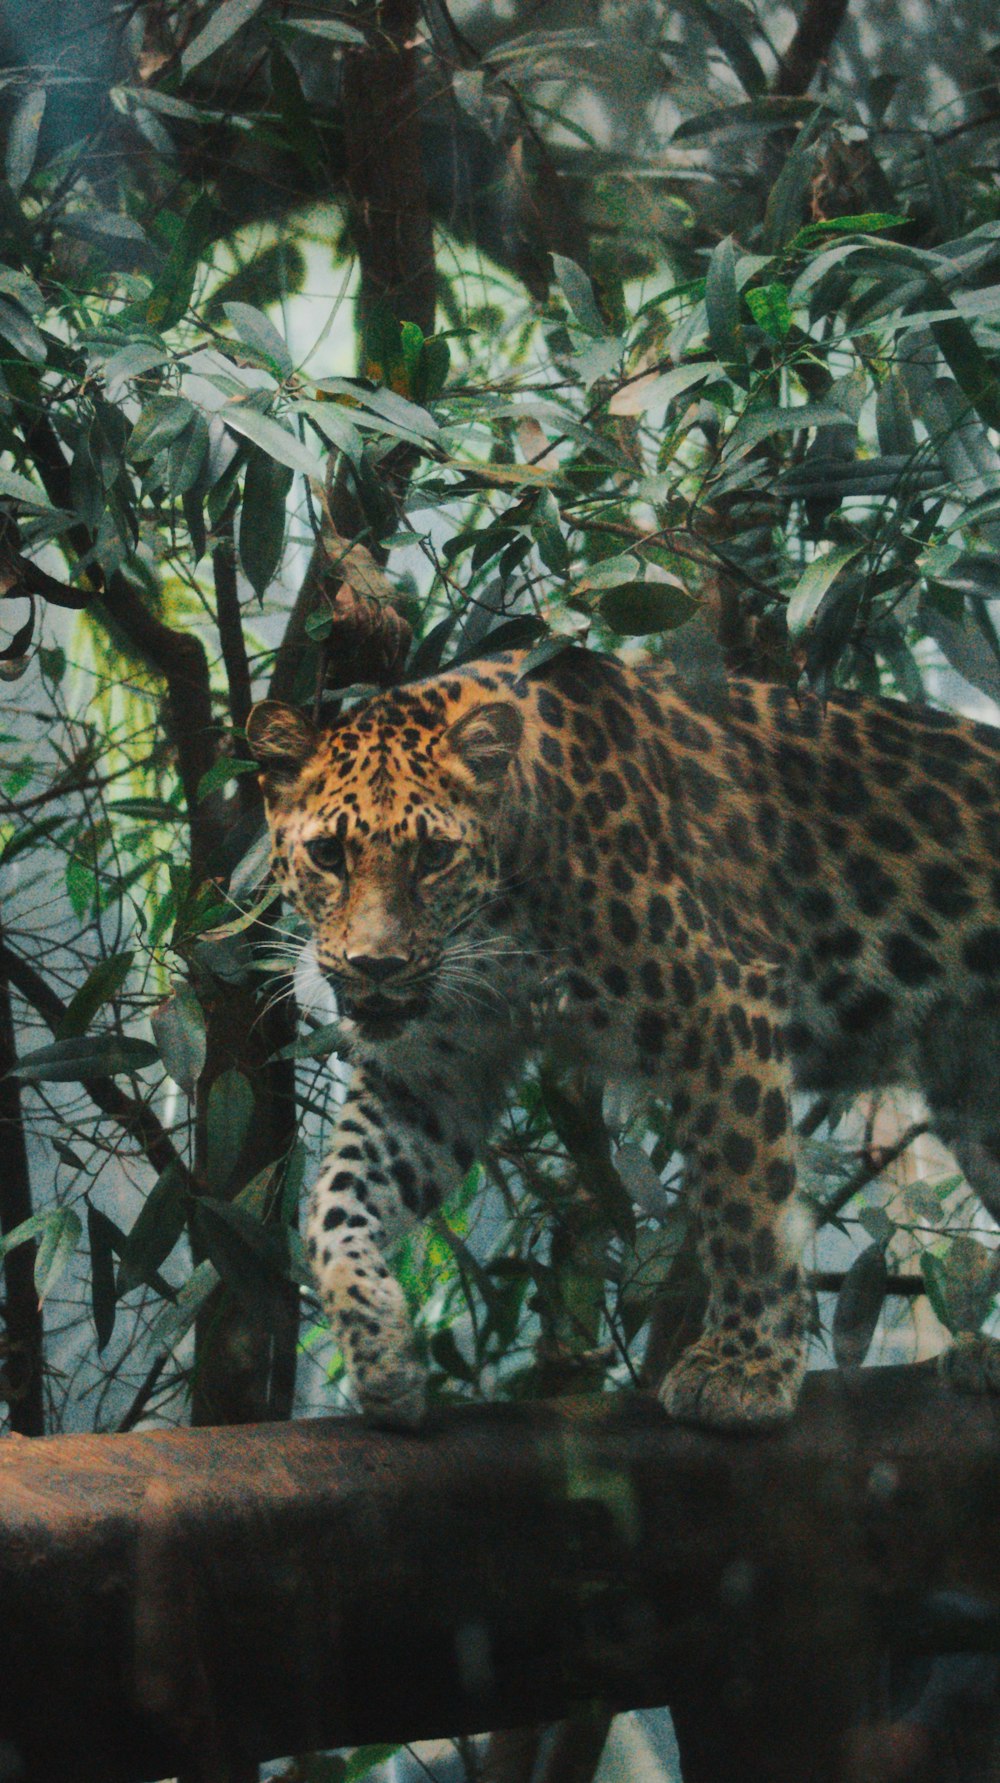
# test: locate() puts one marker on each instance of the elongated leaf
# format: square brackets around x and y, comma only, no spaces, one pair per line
[158,1228]
[162,419]
[761,423]
[230,1113]
[172,1323]
[101,1233]
[59,1241]
[133,360]
[579,294]
[259,332]
[638,608]
[407,419]
[223,23]
[18,488]
[262,517]
[251,1258]
[104,225]
[99,987]
[623,567]
[814,582]
[722,305]
[272,438]
[22,137]
[335,30]
[18,328]
[30,1228]
[858,1307]
[79,1059]
[179,1030]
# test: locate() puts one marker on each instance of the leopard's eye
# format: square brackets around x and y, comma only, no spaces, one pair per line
[434,855]
[327,853]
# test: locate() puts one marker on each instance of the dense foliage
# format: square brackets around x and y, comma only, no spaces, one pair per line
[769,447]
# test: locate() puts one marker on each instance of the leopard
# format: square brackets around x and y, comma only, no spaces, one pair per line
[740,891]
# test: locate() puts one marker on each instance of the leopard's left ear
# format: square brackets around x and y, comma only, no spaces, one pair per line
[485,739]
[281,739]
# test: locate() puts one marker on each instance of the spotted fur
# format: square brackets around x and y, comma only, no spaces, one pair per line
[736,897]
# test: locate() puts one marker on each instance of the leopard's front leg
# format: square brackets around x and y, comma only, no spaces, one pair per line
[732,1103]
[397,1153]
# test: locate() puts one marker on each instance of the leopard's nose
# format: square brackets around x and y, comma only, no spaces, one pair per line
[377,966]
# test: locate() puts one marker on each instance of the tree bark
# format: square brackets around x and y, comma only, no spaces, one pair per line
[515,1564]
[22,1362]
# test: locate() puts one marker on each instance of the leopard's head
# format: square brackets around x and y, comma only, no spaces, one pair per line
[384,830]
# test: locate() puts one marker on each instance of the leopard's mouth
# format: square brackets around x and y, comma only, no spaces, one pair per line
[380,1016]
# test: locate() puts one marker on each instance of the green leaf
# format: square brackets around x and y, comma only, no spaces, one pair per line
[623,567]
[19,488]
[768,305]
[262,517]
[336,31]
[257,331]
[973,373]
[578,291]
[547,534]
[364,1759]
[22,137]
[223,23]
[179,1030]
[157,1229]
[272,438]
[79,1059]
[162,419]
[149,810]
[100,986]
[59,1241]
[637,608]
[862,223]
[171,293]
[222,771]
[392,413]
[446,1353]
[722,305]
[859,1304]
[186,457]
[106,225]
[775,112]
[18,328]
[229,1116]
[759,424]
[251,1258]
[893,418]
[935,1282]
[133,360]
[171,1324]
[101,1234]
[29,1228]
[332,420]
[814,582]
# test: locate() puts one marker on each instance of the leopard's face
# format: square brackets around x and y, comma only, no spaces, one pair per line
[384,838]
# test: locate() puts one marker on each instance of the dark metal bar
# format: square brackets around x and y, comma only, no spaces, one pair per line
[196,1599]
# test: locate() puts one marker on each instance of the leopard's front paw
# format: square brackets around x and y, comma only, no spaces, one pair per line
[733,1392]
[396,1399]
[972,1364]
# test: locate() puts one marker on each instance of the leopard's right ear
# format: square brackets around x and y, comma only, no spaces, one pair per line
[281,740]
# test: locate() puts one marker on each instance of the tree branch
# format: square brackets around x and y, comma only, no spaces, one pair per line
[133,1117]
[521,1562]
[809,48]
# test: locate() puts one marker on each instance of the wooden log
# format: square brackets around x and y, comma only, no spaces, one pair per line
[198,1599]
